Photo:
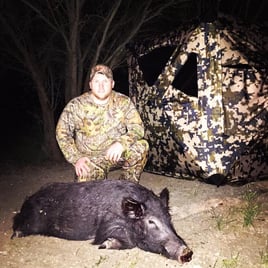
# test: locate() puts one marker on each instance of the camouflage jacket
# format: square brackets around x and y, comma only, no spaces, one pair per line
[85,128]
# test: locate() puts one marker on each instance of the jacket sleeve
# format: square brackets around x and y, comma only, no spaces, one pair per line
[65,134]
[134,126]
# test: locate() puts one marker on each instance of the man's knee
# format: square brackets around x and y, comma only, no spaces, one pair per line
[138,151]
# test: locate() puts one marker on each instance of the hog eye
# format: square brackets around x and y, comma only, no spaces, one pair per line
[152,223]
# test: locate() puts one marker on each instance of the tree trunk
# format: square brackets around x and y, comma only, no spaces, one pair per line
[49,146]
[73,54]
[71,81]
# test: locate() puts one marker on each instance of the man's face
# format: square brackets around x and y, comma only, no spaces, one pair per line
[101,87]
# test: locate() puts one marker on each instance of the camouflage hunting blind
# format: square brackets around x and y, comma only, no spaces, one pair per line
[202,93]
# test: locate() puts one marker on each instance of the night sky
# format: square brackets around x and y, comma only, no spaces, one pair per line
[19,105]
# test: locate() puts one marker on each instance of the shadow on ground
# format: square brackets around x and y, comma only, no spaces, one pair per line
[211,220]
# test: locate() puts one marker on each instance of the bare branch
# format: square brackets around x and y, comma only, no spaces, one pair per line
[108,24]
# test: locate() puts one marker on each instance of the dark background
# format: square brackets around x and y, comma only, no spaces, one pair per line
[21,129]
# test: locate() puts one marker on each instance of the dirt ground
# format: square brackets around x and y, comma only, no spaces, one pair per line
[211,220]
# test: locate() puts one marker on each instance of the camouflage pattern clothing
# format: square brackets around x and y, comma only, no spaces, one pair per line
[86,129]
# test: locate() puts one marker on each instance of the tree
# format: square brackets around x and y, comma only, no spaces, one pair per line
[57,40]
[30,49]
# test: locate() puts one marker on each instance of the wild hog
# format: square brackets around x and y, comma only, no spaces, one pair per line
[115,214]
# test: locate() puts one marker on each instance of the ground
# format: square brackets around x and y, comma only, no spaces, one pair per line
[225,226]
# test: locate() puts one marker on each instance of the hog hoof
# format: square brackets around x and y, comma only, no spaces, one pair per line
[16,234]
[110,243]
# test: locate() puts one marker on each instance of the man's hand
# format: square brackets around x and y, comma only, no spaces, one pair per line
[81,167]
[114,152]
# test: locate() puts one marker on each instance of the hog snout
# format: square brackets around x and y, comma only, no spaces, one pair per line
[178,251]
[186,255]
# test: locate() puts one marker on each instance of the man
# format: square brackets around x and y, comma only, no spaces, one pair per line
[102,129]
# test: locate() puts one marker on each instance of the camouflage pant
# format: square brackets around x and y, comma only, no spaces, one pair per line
[132,163]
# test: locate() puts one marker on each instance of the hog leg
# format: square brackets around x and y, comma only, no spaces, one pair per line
[111,243]
[113,237]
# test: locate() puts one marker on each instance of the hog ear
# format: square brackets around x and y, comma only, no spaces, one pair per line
[132,208]
[164,196]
